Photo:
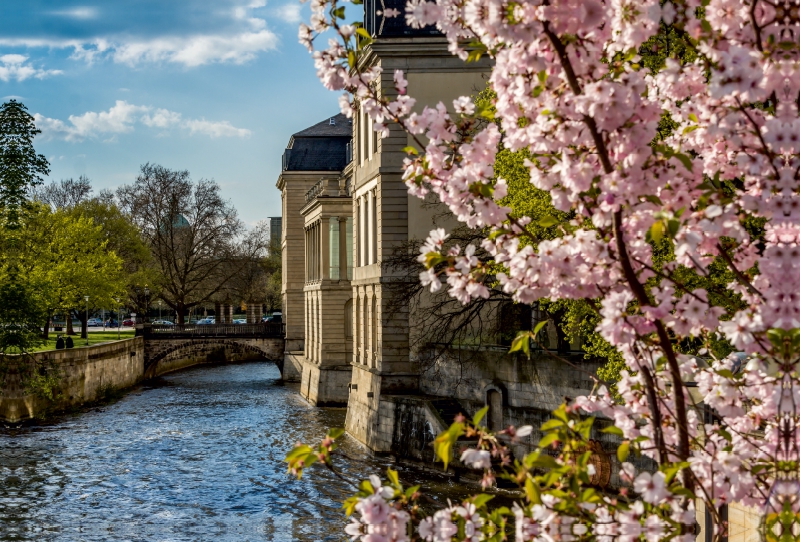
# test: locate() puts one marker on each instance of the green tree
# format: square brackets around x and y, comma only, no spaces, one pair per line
[68,257]
[21,169]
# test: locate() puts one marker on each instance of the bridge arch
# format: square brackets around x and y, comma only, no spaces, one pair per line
[164,356]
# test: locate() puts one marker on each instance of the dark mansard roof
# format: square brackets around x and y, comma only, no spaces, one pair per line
[321,147]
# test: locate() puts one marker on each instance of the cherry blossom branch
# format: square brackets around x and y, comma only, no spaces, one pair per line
[739,275]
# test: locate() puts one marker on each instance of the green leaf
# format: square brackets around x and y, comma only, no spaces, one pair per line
[546,462]
[673,226]
[539,327]
[481,499]
[552,424]
[654,199]
[335,432]
[548,221]
[532,491]
[612,430]
[366,485]
[657,231]
[411,150]
[361,31]
[476,420]
[474,55]
[685,160]
[521,342]
[693,117]
[624,451]
[548,439]
[392,476]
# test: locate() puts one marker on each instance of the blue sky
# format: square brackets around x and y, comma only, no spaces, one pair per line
[212,86]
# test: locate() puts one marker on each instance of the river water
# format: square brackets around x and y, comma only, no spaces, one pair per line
[193,456]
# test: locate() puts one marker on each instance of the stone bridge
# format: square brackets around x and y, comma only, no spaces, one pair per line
[168,348]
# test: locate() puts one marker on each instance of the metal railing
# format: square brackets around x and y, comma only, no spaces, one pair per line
[263,330]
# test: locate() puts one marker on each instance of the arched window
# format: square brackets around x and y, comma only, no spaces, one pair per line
[494,418]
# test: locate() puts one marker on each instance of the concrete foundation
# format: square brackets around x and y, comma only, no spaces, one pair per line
[325,386]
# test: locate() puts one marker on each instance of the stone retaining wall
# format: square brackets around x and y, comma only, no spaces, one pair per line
[86,374]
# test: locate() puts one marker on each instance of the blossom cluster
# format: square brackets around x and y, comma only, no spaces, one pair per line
[720,189]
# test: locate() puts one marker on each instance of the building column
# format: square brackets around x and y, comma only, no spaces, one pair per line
[324,246]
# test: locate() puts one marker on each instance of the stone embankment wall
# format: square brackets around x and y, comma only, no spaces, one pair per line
[86,373]
[519,391]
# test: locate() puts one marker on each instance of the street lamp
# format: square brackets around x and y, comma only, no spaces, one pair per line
[86,330]
[119,318]
[146,305]
[159,309]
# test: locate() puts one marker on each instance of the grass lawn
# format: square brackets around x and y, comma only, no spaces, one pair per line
[95,337]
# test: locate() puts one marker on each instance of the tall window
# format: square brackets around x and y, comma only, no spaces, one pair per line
[349,245]
[359,321]
[374,340]
[362,233]
[361,139]
[374,226]
[357,218]
[333,247]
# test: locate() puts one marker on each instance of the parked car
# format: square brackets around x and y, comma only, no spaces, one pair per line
[112,323]
[163,323]
[206,321]
[127,322]
[276,318]
[94,322]
[240,321]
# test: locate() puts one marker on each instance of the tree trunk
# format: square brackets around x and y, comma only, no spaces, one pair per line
[84,328]
[46,332]
[181,309]
[68,318]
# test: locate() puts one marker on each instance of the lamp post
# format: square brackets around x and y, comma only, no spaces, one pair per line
[159,309]
[146,305]
[86,325]
[119,318]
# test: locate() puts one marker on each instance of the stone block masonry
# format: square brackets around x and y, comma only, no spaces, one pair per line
[165,356]
[86,374]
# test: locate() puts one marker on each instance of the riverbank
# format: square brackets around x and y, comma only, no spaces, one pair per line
[84,374]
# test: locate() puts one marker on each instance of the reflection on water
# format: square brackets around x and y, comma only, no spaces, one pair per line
[197,455]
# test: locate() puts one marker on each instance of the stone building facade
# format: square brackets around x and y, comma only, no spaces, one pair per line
[316,216]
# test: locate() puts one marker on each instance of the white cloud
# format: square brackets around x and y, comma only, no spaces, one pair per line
[122,118]
[17,67]
[216,129]
[197,50]
[288,12]
[248,37]
[162,118]
[78,12]
[242,13]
